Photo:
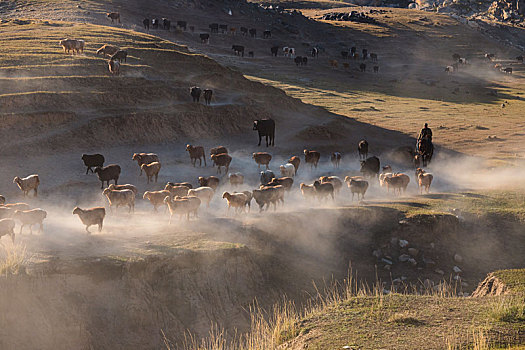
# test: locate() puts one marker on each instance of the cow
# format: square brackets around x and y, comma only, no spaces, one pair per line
[370,167]
[315,52]
[265,127]
[362,149]
[146,23]
[267,34]
[253,32]
[120,55]
[223,28]
[244,31]
[166,24]
[155,23]
[274,50]
[207,96]
[362,67]
[114,67]
[195,92]
[181,25]
[298,61]
[205,38]
[115,16]
[353,50]
[238,50]
[344,54]
[365,54]
[507,70]
[373,57]
[519,58]
[376,69]
[214,28]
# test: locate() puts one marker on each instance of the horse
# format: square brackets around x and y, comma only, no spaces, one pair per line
[425,149]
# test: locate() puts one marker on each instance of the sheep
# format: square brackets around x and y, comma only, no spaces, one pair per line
[2,200]
[308,191]
[124,187]
[357,186]
[286,182]
[249,196]
[236,179]
[156,198]
[196,152]
[266,176]
[117,198]
[72,45]
[144,158]
[336,159]
[183,206]
[287,170]
[92,160]
[323,190]
[7,227]
[90,217]
[120,55]
[108,173]
[218,150]
[175,191]
[424,180]
[115,16]
[220,160]
[311,157]
[27,184]
[334,180]
[16,206]
[151,170]
[205,194]
[236,200]
[398,181]
[382,178]
[30,218]
[210,181]
[262,158]
[268,195]
[107,50]
[296,161]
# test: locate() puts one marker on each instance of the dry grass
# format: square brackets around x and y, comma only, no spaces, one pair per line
[13,259]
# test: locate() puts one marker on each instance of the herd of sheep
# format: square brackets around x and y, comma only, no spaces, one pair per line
[182,200]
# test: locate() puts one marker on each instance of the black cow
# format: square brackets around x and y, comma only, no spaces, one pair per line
[365,54]
[519,59]
[195,92]
[181,24]
[362,67]
[376,69]
[207,96]
[508,70]
[244,31]
[344,54]
[223,28]
[253,32]
[265,127]
[362,149]
[298,60]
[315,52]
[205,38]
[305,61]
[353,50]
[250,54]
[238,50]
[166,24]
[370,167]
[93,161]
[155,23]
[146,22]
[214,28]
[267,34]
[373,57]
[275,50]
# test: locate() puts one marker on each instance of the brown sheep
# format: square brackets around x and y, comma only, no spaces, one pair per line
[357,186]
[308,191]
[312,158]
[236,179]
[210,181]
[296,161]
[205,194]
[6,212]
[144,158]
[424,180]
[218,150]
[268,195]
[151,170]
[286,182]
[108,173]
[2,200]
[107,50]
[175,191]
[183,206]
[90,217]
[187,184]
[334,180]
[156,198]
[236,200]
[27,184]
[222,160]
[30,218]
[124,187]
[118,198]
[323,190]
[7,227]
[398,182]
[262,158]
[196,152]
[115,16]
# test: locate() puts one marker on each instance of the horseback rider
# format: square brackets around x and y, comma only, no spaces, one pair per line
[426,132]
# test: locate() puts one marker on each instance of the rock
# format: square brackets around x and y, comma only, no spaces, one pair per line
[403,278]
[429,262]
[439,272]
[464,284]
[413,252]
[396,280]
[404,257]
[456,269]
[386,261]
[387,267]
[432,245]
[458,258]
[403,243]
[393,241]
[377,253]
[457,278]
[412,261]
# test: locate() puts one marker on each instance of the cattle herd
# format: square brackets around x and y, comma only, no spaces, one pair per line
[183,200]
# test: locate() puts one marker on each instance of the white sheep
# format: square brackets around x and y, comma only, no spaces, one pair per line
[30,218]
[7,227]
[205,194]
[287,170]
[118,198]
[27,184]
